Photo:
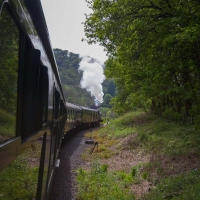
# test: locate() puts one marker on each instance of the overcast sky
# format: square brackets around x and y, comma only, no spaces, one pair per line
[64,18]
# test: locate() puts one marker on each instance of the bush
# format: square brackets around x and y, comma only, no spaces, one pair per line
[182,187]
[172,115]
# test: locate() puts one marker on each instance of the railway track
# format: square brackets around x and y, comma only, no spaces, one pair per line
[64,185]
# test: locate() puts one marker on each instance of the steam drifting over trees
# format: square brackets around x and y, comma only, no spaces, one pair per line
[93,77]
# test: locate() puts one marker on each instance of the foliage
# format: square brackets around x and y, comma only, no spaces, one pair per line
[106,99]
[182,187]
[98,184]
[119,127]
[111,88]
[168,138]
[104,111]
[171,147]
[154,134]
[153,49]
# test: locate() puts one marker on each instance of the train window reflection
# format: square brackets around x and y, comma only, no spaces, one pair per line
[19,179]
[9,51]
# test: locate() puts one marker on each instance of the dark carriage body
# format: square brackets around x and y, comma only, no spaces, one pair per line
[40,110]
[34,98]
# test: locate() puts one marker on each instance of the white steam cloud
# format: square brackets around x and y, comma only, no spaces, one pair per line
[93,77]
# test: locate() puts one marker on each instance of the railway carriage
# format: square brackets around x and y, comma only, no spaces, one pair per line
[32,104]
[74,117]
[90,117]
[30,93]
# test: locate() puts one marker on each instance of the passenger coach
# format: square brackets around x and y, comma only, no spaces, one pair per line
[32,104]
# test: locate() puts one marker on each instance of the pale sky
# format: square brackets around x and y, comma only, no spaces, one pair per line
[64,18]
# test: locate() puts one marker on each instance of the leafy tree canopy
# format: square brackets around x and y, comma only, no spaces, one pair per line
[154,51]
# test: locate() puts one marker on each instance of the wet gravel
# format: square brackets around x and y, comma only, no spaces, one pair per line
[64,186]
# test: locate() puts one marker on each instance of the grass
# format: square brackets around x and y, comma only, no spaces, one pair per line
[104,144]
[19,179]
[119,127]
[169,138]
[172,168]
[98,184]
[182,187]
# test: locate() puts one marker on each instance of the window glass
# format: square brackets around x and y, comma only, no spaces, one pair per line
[19,179]
[9,59]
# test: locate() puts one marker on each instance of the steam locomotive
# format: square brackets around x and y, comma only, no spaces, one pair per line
[32,104]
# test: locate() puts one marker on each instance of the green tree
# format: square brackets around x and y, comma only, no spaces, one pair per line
[111,88]
[153,49]
[106,99]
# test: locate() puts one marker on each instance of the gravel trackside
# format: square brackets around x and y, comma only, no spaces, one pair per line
[63,187]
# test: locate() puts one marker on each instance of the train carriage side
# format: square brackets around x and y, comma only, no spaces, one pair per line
[90,117]
[30,89]
[74,115]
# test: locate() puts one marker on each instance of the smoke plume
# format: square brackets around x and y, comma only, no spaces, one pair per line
[93,77]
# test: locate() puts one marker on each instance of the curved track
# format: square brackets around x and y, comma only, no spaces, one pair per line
[63,187]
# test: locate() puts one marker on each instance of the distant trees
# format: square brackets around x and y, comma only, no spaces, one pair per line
[111,88]
[68,64]
[154,52]
[106,99]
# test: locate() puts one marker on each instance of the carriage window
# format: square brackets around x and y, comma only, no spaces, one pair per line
[9,60]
